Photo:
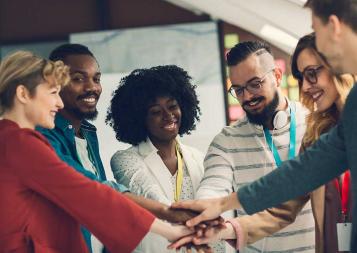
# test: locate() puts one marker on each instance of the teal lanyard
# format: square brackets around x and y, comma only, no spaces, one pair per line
[292,144]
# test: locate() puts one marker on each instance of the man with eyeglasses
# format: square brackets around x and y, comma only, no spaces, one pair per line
[253,146]
[335,25]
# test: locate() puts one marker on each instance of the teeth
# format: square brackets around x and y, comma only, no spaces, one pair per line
[171,126]
[89,100]
[254,103]
[316,95]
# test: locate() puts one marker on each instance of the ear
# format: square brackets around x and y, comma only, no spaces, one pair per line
[278,73]
[335,27]
[22,94]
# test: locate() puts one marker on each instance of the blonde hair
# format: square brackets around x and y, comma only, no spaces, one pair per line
[318,123]
[25,68]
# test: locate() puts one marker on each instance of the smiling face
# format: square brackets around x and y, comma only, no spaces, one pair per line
[81,95]
[323,92]
[261,106]
[42,107]
[163,119]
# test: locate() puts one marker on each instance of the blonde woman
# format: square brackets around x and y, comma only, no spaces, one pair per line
[324,93]
[43,201]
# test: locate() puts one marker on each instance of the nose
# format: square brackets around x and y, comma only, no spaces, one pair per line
[91,85]
[59,102]
[305,86]
[168,115]
[247,95]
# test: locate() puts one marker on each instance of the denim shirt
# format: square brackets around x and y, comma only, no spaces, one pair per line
[62,139]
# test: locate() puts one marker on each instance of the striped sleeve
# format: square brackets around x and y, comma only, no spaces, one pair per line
[218,175]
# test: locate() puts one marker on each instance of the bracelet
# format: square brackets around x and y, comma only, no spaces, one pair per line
[238,242]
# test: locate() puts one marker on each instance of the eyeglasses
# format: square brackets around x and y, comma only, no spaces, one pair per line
[253,86]
[310,74]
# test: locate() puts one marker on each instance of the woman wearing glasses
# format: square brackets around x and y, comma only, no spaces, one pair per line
[324,94]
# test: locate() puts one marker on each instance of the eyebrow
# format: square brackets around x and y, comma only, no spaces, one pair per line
[83,72]
[241,85]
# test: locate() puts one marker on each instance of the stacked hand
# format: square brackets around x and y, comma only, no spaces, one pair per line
[204,233]
[184,235]
[209,227]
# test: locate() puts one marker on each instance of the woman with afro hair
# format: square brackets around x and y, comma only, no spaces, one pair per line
[149,109]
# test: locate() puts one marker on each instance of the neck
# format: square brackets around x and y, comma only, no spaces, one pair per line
[19,118]
[166,149]
[75,121]
[282,106]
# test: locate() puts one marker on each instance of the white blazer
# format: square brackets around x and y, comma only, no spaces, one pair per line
[142,170]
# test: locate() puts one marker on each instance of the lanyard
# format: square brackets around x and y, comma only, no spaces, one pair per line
[179,177]
[292,144]
[344,191]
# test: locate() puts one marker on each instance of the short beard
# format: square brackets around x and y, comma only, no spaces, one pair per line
[267,113]
[85,115]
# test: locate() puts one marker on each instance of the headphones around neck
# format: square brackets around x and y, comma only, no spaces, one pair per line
[280,119]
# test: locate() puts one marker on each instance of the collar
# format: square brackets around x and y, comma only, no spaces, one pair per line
[62,123]
[146,148]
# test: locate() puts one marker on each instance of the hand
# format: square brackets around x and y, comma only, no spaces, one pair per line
[169,231]
[209,208]
[186,242]
[178,231]
[204,235]
[178,215]
[204,248]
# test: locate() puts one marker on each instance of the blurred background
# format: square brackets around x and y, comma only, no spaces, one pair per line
[129,34]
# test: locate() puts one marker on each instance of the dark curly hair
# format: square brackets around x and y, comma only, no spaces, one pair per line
[129,105]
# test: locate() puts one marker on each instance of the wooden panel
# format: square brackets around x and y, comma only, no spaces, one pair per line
[24,21]
[36,20]
[136,13]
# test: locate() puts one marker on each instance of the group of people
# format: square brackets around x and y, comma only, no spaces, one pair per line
[56,194]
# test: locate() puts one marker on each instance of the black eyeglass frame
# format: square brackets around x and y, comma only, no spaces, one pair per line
[310,74]
[252,87]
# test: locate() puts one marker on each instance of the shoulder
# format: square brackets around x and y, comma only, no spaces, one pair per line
[27,144]
[128,157]
[191,151]
[299,108]
[239,128]
[27,137]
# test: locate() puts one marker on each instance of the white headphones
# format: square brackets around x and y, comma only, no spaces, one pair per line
[280,119]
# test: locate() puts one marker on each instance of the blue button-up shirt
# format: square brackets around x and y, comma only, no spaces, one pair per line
[62,139]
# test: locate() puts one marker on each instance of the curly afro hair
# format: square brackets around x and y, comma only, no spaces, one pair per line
[129,105]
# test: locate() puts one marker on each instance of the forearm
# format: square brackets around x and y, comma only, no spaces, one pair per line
[169,231]
[156,208]
[230,202]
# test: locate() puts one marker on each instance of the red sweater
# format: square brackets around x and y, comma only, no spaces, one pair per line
[43,201]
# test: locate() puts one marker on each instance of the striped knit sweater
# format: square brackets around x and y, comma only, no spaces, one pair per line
[239,155]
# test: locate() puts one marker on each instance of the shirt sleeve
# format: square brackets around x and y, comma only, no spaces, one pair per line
[130,170]
[109,217]
[217,180]
[320,163]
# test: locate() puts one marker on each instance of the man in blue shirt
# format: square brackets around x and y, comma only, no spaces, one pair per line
[75,139]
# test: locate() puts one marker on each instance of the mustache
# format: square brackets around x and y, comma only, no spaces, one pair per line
[88,94]
[246,103]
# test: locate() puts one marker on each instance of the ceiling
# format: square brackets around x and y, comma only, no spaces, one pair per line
[281,22]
